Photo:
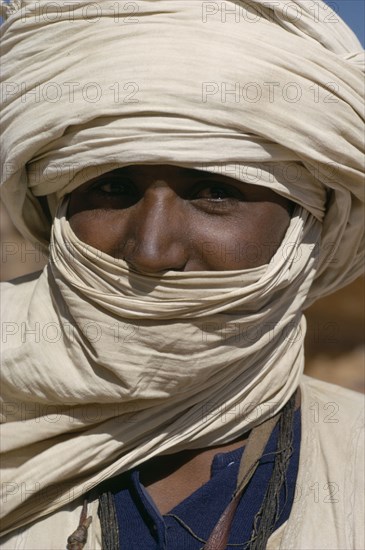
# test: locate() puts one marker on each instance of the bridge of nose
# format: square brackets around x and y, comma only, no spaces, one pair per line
[158,230]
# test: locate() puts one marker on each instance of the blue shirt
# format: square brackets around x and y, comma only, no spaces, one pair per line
[189,524]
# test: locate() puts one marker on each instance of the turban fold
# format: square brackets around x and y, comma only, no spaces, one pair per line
[267,92]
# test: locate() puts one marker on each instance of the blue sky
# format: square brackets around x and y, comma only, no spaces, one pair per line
[353,12]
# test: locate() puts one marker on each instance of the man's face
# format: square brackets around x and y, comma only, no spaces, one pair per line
[161,217]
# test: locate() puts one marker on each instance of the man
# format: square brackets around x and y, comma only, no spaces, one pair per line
[159,348]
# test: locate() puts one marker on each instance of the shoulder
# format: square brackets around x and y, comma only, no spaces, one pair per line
[19,282]
[329,508]
[15,292]
[334,417]
[333,431]
[341,404]
[16,297]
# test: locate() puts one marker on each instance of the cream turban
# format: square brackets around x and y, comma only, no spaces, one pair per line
[267,92]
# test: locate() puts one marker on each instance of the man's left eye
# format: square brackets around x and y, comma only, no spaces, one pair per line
[216,192]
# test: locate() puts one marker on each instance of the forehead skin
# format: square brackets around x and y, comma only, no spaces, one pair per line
[162,217]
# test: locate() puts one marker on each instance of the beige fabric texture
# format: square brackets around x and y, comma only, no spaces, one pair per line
[137,365]
[205,368]
[328,510]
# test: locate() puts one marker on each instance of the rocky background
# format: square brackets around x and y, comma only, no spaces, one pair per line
[335,349]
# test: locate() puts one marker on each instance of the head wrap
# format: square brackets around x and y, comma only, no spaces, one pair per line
[255,90]
[267,92]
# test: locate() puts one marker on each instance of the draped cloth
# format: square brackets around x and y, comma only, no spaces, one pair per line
[138,365]
[128,366]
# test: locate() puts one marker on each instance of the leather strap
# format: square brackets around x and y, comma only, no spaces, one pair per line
[255,446]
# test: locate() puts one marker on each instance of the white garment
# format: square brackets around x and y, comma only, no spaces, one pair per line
[328,509]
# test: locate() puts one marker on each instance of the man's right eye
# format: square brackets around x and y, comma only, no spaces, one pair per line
[119,187]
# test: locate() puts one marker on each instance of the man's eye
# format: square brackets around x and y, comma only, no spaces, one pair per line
[114,188]
[216,192]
